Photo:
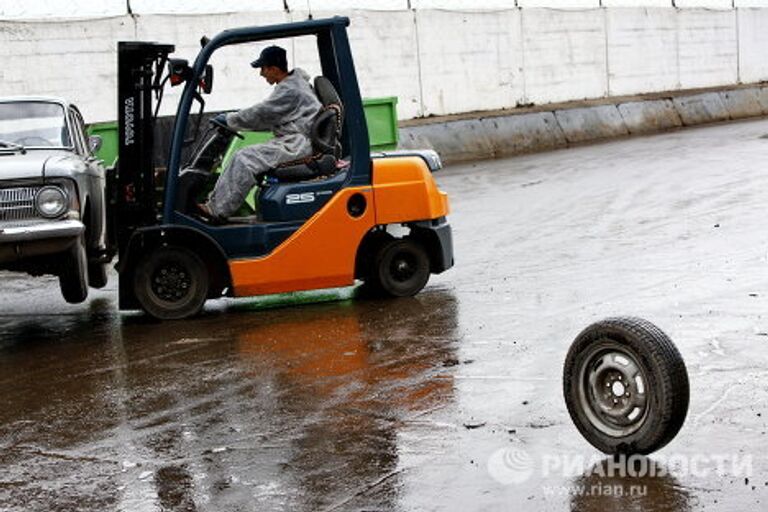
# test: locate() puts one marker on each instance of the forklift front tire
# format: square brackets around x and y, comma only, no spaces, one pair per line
[171,283]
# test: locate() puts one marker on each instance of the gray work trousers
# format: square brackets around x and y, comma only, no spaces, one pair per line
[240,175]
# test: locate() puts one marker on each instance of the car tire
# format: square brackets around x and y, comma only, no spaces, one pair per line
[400,269]
[73,275]
[171,283]
[625,386]
[97,275]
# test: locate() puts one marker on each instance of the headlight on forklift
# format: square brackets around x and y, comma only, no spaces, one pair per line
[51,202]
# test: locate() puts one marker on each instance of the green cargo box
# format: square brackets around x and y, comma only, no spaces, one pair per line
[381,118]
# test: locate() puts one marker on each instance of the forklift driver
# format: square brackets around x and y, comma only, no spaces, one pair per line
[288,112]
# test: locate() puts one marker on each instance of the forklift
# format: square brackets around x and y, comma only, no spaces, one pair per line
[322,222]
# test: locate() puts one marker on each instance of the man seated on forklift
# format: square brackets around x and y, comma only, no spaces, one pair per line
[288,112]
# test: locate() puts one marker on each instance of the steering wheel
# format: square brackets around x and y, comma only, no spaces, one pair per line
[226,128]
[34,140]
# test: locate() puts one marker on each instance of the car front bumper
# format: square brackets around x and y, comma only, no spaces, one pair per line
[20,242]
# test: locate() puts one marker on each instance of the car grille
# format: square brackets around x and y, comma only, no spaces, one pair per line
[18,203]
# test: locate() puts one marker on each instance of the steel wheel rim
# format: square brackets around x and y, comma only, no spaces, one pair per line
[613,390]
[171,282]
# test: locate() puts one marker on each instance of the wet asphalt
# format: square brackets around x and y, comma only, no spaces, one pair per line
[450,400]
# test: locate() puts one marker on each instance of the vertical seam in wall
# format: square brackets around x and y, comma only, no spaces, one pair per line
[605,40]
[738,46]
[135,21]
[522,56]
[418,64]
[677,46]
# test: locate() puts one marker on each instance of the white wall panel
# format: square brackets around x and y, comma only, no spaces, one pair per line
[564,54]
[47,9]
[753,42]
[642,50]
[637,3]
[708,52]
[203,6]
[704,4]
[478,68]
[463,5]
[559,4]
[41,59]
[330,7]
[750,3]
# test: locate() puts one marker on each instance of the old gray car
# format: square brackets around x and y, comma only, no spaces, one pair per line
[52,200]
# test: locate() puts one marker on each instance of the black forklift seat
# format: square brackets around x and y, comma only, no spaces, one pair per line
[325,136]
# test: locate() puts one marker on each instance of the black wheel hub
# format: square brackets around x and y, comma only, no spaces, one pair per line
[171,282]
[403,267]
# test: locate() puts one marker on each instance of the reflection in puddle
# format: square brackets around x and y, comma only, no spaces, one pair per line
[298,408]
[350,379]
[637,484]
[174,488]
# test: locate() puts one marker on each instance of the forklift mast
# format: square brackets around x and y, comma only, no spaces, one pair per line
[134,203]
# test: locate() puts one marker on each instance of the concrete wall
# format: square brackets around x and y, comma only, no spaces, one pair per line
[437,56]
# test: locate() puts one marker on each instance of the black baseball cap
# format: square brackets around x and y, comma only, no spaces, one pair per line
[271,56]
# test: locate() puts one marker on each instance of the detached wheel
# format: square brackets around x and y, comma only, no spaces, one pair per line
[400,269]
[625,386]
[73,275]
[171,283]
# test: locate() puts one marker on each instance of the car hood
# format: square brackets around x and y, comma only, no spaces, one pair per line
[37,164]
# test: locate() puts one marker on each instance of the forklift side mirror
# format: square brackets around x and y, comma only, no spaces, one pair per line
[178,71]
[206,81]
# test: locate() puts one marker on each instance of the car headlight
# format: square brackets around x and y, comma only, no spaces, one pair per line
[51,201]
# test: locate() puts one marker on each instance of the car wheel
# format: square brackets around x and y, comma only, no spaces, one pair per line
[625,386]
[73,275]
[97,275]
[401,269]
[171,283]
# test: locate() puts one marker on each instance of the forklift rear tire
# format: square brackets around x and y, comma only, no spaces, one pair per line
[171,283]
[400,269]
[73,277]
[625,386]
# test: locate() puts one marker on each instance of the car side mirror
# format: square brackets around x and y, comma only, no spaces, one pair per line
[94,143]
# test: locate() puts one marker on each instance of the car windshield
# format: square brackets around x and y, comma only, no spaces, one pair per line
[34,124]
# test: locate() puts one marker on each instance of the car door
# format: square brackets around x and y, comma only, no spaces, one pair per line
[95,179]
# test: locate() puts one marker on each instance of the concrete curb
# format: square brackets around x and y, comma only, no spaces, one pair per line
[591,123]
[505,134]
[741,103]
[649,116]
[701,109]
